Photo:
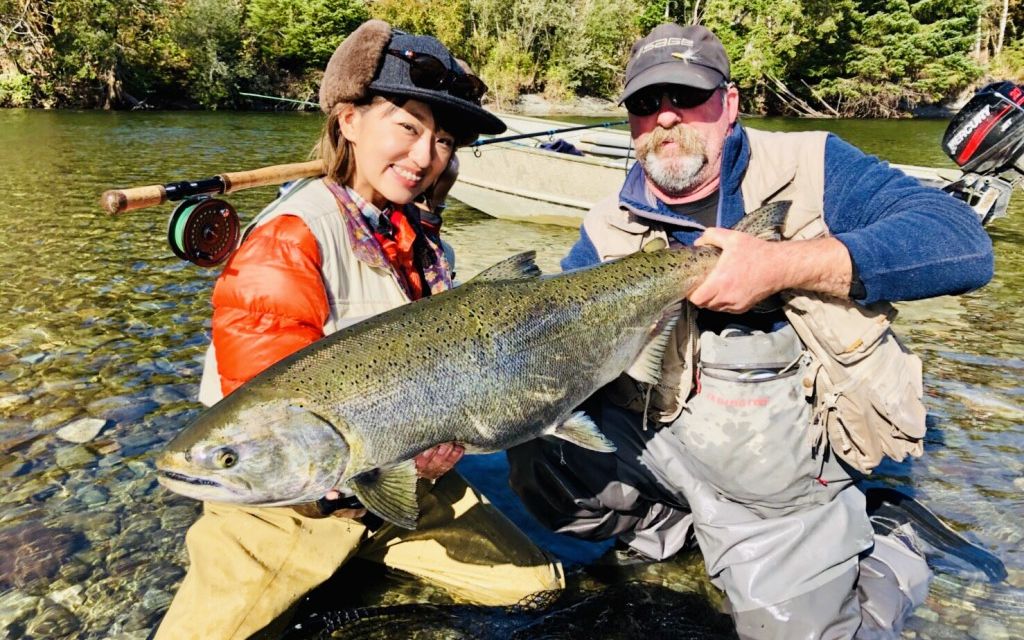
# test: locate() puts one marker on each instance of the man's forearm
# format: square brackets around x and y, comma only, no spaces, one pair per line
[821,265]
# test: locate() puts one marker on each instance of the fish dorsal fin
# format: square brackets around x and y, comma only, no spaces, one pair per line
[766,222]
[518,267]
[390,493]
[647,366]
[580,430]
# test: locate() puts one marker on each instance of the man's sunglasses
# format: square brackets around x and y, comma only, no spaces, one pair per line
[427,72]
[648,100]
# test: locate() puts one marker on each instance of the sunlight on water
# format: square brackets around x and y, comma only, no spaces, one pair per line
[100,321]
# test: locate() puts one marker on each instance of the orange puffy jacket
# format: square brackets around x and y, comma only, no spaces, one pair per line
[269,302]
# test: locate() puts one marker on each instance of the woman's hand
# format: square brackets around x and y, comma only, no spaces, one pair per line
[434,463]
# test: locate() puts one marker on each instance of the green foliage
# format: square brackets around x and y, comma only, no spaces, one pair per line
[446,20]
[15,89]
[590,58]
[908,54]
[301,34]
[651,13]
[208,34]
[850,57]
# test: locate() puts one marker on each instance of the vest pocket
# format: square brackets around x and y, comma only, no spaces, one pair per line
[745,429]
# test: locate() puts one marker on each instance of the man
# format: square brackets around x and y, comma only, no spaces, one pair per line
[751,442]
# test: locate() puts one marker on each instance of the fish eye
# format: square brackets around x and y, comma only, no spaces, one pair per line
[226,458]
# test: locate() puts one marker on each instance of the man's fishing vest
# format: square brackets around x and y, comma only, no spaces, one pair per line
[865,386]
[355,290]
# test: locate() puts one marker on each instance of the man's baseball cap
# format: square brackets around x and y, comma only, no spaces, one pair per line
[673,54]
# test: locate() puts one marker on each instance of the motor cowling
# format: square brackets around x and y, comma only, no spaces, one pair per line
[987,136]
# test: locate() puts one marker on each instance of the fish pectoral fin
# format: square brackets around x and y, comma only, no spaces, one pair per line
[519,267]
[647,366]
[580,430]
[389,493]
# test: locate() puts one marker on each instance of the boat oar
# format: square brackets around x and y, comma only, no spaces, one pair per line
[121,200]
[549,132]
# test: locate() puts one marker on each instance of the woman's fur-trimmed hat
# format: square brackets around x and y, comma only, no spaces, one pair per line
[360,66]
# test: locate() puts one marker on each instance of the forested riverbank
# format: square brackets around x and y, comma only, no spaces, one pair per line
[859,58]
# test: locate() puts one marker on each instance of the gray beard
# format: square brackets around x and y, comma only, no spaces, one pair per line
[673,176]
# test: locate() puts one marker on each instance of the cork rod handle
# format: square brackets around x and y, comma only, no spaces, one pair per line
[117,201]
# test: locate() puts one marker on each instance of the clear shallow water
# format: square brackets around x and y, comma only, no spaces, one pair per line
[100,320]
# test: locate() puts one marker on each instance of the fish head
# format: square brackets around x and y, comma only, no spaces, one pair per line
[272,452]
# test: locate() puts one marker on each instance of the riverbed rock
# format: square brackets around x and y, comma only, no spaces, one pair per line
[53,621]
[17,607]
[122,409]
[72,457]
[13,400]
[13,466]
[69,597]
[31,551]
[986,628]
[82,431]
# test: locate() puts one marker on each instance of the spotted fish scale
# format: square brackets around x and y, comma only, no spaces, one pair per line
[500,360]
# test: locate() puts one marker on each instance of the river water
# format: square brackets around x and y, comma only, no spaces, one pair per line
[100,320]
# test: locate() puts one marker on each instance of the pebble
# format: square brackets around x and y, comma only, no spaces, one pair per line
[106,447]
[988,629]
[122,409]
[82,431]
[94,496]
[1019,483]
[71,457]
[13,400]
[18,443]
[16,606]
[180,516]
[138,443]
[156,600]
[54,621]
[14,467]
[926,614]
[50,420]
[34,358]
[70,597]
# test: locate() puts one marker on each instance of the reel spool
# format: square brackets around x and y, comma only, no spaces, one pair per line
[203,230]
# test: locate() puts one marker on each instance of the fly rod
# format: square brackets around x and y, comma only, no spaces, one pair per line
[478,143]
[549,132]
[121,200]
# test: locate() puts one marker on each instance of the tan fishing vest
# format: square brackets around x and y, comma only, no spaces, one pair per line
[865,386]
[355,290]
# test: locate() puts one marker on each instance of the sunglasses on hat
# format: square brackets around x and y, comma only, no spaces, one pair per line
[428,72]
[648,100]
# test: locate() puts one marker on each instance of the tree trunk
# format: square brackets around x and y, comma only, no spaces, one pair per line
[977,38]
[111,89]
[1002,26]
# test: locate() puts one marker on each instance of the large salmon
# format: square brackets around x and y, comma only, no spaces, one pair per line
[500,360]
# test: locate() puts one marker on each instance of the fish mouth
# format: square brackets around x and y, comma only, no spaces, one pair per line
[180,477]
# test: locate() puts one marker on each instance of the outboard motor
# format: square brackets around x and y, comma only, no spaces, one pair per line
[986,140]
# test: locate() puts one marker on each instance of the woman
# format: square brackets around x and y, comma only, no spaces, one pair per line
[325,254]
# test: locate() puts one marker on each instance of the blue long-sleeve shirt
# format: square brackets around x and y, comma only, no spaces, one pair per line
[907,241]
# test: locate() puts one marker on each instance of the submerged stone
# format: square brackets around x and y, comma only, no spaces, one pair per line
[81,431]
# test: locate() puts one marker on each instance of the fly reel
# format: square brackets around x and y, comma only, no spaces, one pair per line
[203,230]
